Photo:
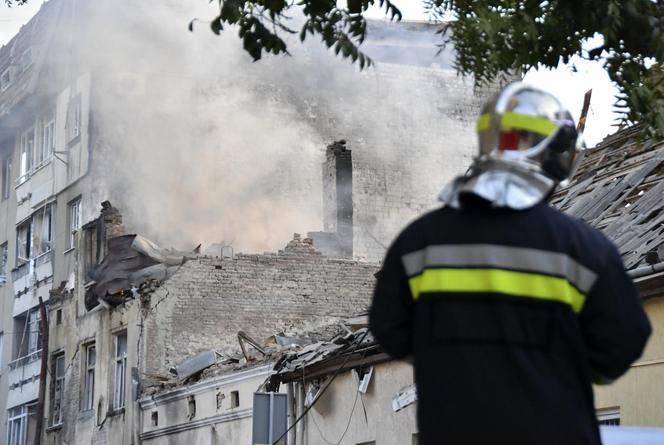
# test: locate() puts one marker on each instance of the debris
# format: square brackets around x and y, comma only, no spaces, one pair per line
[194,364]
[363,379]
[405,397]
[244,337]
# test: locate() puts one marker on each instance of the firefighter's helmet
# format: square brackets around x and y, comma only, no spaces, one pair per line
[530,128]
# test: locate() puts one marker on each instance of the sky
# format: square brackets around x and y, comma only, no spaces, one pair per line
[568,84]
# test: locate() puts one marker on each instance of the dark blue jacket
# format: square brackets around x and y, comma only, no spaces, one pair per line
[509,316]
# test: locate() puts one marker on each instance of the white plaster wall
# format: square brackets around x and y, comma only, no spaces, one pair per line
[211,424]
[343,406]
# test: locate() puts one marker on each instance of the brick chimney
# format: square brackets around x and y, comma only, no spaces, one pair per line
[112,220]
[337,238]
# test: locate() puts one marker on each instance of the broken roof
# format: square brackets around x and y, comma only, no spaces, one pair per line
[619,189]
[289,355]
[131,262]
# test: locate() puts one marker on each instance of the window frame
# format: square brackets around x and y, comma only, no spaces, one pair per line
[73,220]
[120,371]
[17,414]
[4,83]
[33,320]
[58,388]
[42,152]
[40,244]
[23,241]
[4,262]
[88,390]
[608,416]
[25,154]
[28,53]
[74,118]
[6,177]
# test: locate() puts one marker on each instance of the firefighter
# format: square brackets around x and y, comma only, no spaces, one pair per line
[509,308]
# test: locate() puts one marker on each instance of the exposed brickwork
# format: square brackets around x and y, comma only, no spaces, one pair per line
[209,300]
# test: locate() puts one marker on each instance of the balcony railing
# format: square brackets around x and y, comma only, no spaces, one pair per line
[25,360]
[20,271]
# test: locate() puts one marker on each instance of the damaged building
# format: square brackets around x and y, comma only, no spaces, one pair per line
[75,132]
[145,312]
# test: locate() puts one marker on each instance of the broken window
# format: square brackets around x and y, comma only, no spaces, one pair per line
[35,236]
[44,150]
[58,388]
[34,331]
[42,221]
[89,379]
[3,263]
[23,242]
[93,245]
[74,224]
[6,177]
[28,345]
[26,148]
[120,370]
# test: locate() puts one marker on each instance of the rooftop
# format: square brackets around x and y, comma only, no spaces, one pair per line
[619,189]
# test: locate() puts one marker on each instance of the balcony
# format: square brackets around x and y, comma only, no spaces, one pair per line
[32,280]
[33,188]
[24,379]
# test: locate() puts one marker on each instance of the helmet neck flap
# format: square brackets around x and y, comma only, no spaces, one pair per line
[502,184]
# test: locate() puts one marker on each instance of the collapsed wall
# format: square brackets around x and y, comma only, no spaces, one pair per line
[209,300]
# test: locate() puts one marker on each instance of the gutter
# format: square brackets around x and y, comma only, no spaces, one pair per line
[646,270]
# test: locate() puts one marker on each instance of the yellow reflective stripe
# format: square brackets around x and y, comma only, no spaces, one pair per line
[483,123]
[519,284]
[517,121]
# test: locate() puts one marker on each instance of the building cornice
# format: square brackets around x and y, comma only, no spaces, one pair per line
[240,414]
[182,393]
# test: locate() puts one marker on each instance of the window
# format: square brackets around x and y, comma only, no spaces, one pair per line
[57,388]
[609,416]
[34,331]
[26,59]
[89,380]
[34,237]
[26,148]
[235,399]
[74,221]
[74,118]
[44,150]
[17,425]
[5,79]
[28,339]
[41,231]
[3,263]
[23,242]
[6,177]
[120,370]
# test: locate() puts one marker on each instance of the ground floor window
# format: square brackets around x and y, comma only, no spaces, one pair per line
[17,424]
[609,416]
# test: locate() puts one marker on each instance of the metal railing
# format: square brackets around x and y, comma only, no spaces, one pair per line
[25,360]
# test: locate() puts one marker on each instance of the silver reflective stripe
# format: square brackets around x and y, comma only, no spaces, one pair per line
[502,257]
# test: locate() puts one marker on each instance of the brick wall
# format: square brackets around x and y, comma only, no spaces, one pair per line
[209,300]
